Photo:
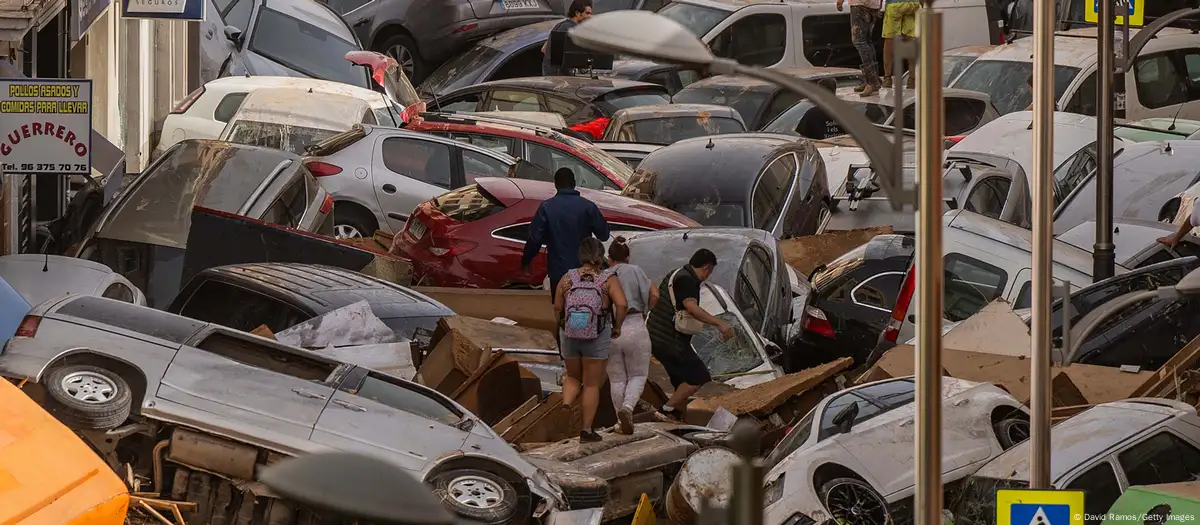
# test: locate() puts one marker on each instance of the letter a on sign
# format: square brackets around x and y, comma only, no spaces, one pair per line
[1039,507]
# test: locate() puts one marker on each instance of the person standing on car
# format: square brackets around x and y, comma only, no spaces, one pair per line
[560,224]
[579,11]
[589,305]
[672,324]
[629,359]
[899,21]
[863,15]
[1193,220]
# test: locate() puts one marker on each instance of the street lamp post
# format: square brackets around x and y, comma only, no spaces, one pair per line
[1043,241]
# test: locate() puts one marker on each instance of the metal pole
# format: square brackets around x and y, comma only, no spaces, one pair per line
[1103,257]
[1043,239]
[930,146]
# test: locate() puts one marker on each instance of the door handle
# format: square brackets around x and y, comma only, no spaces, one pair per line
[350,406]
[907,423]
[305,393]
[362,22]
[209,34]
[388,188]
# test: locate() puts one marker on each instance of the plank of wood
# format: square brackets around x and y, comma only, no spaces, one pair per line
[515,415]
[1162,383]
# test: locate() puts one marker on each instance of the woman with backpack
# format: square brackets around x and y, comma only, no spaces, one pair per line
[629,362]
[586,301]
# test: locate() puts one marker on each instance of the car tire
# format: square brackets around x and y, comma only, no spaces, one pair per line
[88,397]
[352,222]
[1011,431]
[404,49]
[477,495]
[857,503]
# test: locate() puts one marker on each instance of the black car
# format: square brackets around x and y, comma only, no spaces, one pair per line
[852,298]
[771,182]
[759,101]
[582,101]
[673,77]
[281,295]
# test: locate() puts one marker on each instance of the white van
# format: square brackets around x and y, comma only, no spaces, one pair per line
[291,120]
[808,33]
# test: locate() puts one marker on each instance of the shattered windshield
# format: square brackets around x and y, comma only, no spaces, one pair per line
[976,501]
[726,358]
[287,137]
[1005,81]
[671,130]
[464,70]
[747,103]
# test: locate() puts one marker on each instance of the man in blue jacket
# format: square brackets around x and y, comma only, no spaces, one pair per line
[561,223]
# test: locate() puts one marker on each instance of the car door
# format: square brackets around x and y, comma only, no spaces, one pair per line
[862,305]
[1161,86]
[477,164]
[508,249]
[758,38]
[378,414]
[1164,457]
[1102,487]
[407,171]
[884,445]
[553,159]
[469,101]
[772,194]
[504,145]
[988,196]
[238,380]
[753,287]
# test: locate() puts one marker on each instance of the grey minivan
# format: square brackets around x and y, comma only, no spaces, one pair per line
[143,234]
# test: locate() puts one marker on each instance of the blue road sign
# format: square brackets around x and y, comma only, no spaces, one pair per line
[1096,6]
[1034,514]
[1039,507]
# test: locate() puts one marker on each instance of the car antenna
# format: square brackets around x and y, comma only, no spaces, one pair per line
[46,265]
[1173,119]
[710,144]
[685,234]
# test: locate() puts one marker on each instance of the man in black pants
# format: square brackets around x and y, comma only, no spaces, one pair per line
[673,348]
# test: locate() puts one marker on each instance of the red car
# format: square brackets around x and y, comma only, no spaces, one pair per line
[473,236]
[594,168]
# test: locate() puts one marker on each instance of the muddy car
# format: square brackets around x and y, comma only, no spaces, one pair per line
[143,234]
[756,100]
[217,404]
[666,124]
[631,153]
[851,458]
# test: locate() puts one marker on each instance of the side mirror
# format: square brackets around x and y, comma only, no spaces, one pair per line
[845,418]
[234,35]
[773,350]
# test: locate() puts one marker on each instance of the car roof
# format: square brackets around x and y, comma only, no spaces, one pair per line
[233,83]
[512,191]
[634,147]
[1010,135]
[315,13]
[659,111]
[1065,254]
[300,107]
[753,84]
[520,37]
[1130,237]
[1074,48]
[62,275]
[970,51]
[633,67]
[887,96]
[325,288]
[1080,439]
[585,88]
[1146,176]
[729,163]
[670,249]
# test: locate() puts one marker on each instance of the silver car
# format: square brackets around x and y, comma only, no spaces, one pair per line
[103,362]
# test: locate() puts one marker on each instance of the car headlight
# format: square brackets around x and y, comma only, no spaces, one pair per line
[774,490]
[798,518]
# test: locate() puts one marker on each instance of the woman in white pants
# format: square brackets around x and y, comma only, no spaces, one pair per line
[629,356]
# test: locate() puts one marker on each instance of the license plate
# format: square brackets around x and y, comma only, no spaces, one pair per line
[520,4]
[416,228]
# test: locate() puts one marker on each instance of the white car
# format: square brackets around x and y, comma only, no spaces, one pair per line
[40,278]
[206,111]
[292,120]
[851,458]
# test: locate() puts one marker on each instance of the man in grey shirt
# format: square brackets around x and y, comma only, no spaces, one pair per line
[629,355]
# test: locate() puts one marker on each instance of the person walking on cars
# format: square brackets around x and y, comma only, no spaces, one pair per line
[590,306]
[863,15]
[899,21]
[629,359]
[561,223]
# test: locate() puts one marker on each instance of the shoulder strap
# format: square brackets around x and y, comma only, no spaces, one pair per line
[671,287]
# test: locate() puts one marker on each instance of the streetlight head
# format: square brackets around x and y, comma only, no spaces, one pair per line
[641,34]
[1190,284]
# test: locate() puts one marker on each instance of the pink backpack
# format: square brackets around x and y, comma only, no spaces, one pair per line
[583,306]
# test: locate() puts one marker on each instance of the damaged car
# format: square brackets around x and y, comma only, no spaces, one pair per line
[851,458]
[666,124]
[196,409]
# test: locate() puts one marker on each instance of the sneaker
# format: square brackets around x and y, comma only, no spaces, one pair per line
[868,91]
[887,82]
[859,88]
[625,421]
[676,415]
[589,436]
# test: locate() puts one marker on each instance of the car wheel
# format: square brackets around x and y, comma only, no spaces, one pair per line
[852,501]
[88,397]
[351,223]
[477,495]
[404,50]
[1010,432]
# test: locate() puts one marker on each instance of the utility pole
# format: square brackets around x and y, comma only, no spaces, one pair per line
[1103,257]
[1043,240]
[930,147]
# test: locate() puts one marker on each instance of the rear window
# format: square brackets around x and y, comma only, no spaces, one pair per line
[747,103]
[713,214]
[672,130]
[469,203]
[699,20]
[139,319]
[337,142]
[1005,82]
[631,98]
[287,137]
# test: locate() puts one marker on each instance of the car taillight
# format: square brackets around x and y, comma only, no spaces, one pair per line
[187,102]
[816,322]
[465,28]
[892,331]
[322,169]
[29,326]
[327,204]
[951,141]
[456,248]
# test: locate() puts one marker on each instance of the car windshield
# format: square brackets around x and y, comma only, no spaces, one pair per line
[796,436]
[287,137]
[631,98]
[953,66]
[1005,82]
[726,358]
[698,20]
[848,261]
[464,70]
[712,213]
[747,103]
[789,121]
[674,129]
[603,158]
[976,501]
[306,48]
